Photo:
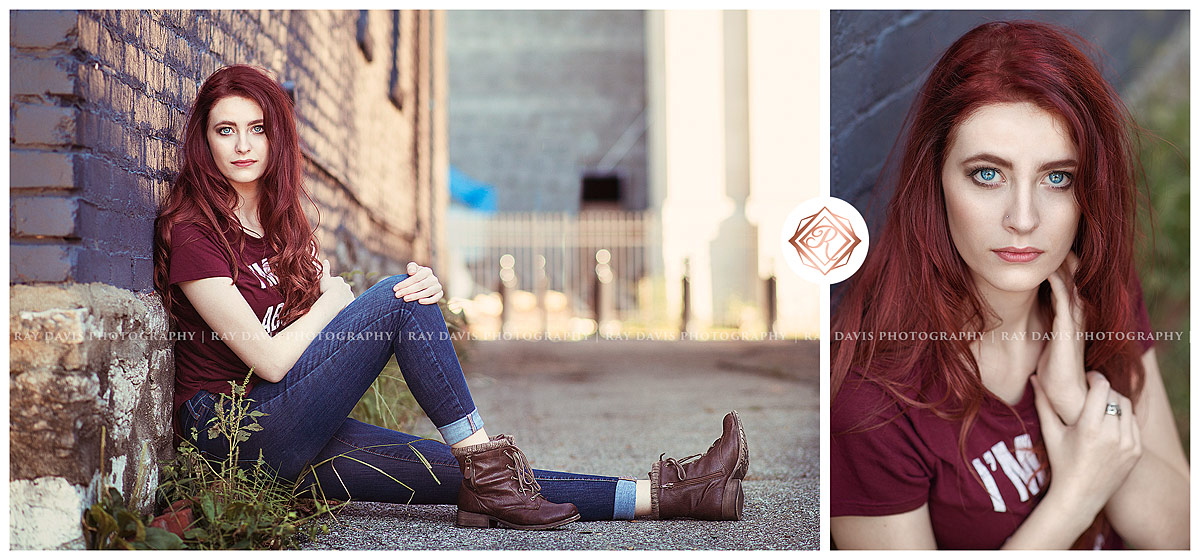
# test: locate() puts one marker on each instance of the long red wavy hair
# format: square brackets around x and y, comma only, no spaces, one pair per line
[914,280]
[202,195]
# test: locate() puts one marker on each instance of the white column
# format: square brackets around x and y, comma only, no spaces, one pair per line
[693,138]
[785,146]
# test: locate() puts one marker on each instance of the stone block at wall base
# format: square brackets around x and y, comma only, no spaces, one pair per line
[85,360]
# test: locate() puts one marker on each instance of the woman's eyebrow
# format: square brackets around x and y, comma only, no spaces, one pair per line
[989,158]
[251,123]
[1058,163]
[1002,162]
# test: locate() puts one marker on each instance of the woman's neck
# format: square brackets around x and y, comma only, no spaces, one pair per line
[246,210]
[1008,352]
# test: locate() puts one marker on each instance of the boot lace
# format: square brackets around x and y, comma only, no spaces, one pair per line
[523,474]
[679,464]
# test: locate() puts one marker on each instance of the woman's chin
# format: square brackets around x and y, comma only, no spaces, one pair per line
[1014,282]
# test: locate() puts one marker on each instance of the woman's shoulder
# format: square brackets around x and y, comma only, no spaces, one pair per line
[863,400]
[190,231]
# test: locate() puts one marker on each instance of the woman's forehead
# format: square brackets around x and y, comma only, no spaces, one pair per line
[236,109]
[1018,129]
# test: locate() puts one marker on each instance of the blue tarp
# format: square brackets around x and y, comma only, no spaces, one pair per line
[468,192]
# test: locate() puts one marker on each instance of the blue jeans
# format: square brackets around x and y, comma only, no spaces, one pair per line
[306,415]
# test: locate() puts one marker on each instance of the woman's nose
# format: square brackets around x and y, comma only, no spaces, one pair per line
[1021,214]
[243,144]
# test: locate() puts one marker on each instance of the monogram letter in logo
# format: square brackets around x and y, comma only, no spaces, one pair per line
[825,240]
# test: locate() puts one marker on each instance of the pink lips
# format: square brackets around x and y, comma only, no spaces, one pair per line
[245,162]
[1018,255]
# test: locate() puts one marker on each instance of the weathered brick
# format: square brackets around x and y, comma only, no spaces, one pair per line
[143,273]
[97,265]
[40,76]
[39,263]
[40,169]
[89,34]
[43,215]
[42,124]
[43,28]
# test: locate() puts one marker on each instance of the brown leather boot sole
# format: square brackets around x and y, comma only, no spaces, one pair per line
[743,461]
[485,521]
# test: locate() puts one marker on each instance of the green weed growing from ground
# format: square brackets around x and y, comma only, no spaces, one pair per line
[238,504]
[110,525]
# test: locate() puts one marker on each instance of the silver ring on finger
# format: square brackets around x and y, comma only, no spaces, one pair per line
[1113,409]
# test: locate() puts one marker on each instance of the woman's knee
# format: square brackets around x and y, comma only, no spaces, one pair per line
[384,288]
[389,282]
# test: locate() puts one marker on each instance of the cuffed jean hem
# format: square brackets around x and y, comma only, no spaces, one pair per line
[625,499]
[462,428]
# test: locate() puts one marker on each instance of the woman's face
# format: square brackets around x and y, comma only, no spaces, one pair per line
[1008,180]
[237,138]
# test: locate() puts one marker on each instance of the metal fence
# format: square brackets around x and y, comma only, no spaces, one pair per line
[595,258]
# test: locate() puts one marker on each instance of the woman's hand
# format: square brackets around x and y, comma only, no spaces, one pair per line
[421,285]
[1060,367]
[336,283]
[1089,460]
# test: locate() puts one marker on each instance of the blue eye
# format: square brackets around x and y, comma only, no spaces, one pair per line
[1059,179]
[986,176]
[224,130]
[259,129]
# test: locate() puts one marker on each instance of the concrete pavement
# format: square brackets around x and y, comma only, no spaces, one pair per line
[611,407]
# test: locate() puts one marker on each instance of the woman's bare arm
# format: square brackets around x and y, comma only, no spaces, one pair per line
[228,314]
[1150,510]
[910,530]
[1048,527]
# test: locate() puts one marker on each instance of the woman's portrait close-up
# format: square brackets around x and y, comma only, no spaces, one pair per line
[1009,368]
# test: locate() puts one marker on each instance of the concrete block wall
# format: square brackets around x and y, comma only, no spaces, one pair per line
[538,98]
[878,60]
[84,359]
[98,104]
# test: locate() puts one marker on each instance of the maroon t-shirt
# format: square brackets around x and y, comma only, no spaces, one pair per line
[887,458]
[202,359]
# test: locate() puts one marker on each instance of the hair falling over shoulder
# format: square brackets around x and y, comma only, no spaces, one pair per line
[914,280]
[201,195]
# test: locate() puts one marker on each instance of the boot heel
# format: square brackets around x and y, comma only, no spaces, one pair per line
[732,500]
[468,519]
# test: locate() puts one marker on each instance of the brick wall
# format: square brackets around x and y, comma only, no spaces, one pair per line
[538,98]
[99,103]
[879,59]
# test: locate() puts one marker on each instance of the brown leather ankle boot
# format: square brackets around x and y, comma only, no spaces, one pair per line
[498,489]
[705,486]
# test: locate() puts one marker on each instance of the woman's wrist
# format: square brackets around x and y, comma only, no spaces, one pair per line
[1065,507]
[1066,395]
[1053,524]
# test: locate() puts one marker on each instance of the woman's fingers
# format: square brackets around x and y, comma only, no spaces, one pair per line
[423,289]
[437,296]
[1129,424]
[1072,263]
[1060,297]
[1096,399]
[415,276]
[325,268]
[1071,267]
[421,285]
